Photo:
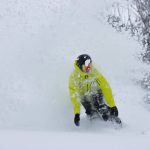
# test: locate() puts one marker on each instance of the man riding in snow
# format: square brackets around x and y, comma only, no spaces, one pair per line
[88,87]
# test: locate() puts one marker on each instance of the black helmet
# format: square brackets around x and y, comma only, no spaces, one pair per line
[82,59]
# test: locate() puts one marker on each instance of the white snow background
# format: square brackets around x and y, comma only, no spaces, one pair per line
[39,41]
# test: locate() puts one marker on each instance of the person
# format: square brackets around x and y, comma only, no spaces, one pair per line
[87,86]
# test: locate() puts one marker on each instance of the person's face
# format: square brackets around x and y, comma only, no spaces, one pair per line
[87,66]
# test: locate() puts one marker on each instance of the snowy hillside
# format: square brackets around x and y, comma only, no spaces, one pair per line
[39,41]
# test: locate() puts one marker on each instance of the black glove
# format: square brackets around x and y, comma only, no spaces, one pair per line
[114,111]
[105,117]
[77,119]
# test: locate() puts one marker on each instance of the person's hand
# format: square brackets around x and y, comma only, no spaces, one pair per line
[114,111]
[77,119]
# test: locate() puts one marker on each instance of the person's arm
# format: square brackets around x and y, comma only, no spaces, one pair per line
[106,89]
[74,95]
[107,92]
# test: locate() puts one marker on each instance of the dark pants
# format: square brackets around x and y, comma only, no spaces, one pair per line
[92,102]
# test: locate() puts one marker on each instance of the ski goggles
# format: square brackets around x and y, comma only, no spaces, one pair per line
[87,68]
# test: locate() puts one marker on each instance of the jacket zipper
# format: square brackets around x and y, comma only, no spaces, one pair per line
[86,82]
[87,87]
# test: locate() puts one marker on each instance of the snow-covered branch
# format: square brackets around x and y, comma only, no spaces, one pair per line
[133,16]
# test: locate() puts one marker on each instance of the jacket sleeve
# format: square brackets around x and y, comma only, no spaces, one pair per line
[106,89]
[74,95]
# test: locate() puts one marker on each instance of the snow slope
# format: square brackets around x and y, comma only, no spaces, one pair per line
[39,41]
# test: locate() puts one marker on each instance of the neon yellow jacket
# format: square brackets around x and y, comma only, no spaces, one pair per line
[81,83]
